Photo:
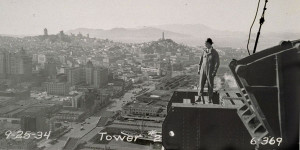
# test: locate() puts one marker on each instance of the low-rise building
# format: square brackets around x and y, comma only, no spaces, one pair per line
[74,100]
[57,88]
[150,70]
[67,115]
[19,144]
[16,93]
[142,109]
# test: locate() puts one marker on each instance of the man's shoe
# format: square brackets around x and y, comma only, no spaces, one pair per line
[199,99]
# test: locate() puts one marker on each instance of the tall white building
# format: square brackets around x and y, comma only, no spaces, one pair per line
[100,77]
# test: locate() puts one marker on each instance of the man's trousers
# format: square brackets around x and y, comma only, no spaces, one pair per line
[205,76]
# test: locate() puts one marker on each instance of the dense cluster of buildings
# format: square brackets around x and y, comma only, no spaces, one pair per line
[15,65]
[52,80]
[95,77]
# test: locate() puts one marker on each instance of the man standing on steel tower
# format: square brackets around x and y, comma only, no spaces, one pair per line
[208,67]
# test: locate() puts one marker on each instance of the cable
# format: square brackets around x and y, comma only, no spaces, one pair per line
[261,22]
[252,26]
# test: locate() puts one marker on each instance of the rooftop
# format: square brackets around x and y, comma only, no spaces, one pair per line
[71,112]
[142,105]
[227,99]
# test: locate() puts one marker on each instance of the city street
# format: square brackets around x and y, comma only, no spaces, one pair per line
[76,132]
[91,122]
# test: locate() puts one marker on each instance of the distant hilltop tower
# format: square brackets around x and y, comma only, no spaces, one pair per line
[61,33]
[45,32]
[163,36]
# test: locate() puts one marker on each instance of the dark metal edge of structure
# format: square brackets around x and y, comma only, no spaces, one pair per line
[279,117]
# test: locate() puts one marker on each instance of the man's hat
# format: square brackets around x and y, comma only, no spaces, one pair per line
[209,41]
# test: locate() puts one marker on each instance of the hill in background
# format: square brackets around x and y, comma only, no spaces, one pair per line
[189,34]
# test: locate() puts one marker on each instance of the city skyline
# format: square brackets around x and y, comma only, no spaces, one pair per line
[30,17]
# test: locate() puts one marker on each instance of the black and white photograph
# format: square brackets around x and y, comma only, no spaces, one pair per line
[149,74]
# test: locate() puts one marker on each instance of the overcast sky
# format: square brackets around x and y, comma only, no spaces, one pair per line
[32,16]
